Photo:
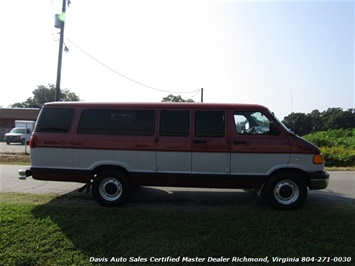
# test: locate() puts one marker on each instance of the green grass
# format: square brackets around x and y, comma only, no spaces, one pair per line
[37,230]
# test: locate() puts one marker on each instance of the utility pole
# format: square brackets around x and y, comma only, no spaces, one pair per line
[201,95]
[61,17]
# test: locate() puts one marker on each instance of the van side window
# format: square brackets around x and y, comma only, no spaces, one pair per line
[55,120]
[209,124]
[174,123]
[251,123]
[117,122]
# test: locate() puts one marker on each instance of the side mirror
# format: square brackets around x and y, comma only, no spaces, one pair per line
[273,129]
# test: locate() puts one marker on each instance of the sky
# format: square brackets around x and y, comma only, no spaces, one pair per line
[291,56]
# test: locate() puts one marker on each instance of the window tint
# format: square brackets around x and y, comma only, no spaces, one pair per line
[174,123]
[251,123]
[55,120]
[209,124]
[117,122]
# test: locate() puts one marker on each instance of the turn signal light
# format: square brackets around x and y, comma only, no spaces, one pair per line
[318,159]
[33,142]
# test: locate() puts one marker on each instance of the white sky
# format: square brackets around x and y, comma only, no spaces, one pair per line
[290,56]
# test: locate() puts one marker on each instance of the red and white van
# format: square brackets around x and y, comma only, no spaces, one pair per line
[113,147]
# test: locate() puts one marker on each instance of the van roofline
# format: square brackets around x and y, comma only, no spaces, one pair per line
[157,105]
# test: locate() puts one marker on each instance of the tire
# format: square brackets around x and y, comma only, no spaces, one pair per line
[111,188]
[286,191]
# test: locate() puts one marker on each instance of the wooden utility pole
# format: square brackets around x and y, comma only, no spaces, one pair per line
[60,53]
[201,95]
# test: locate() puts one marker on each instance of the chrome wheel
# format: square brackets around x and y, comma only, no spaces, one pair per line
[110,189]
[286,192]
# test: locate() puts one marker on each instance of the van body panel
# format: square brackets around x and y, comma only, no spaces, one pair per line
[263,163]
[61,174]
[49,157]
[132,161]
[173,162]
[198,180]
[304,162]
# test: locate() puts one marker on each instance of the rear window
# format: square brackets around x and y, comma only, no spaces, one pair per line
[117,122]
[55,120]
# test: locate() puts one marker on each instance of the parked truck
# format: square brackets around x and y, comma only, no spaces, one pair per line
[21,133]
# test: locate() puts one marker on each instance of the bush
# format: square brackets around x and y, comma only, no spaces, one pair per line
[338,156]
[338,146]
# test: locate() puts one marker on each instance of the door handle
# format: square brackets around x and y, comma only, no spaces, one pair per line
[200,141]
[237,142]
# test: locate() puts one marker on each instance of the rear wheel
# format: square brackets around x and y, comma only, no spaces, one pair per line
[286,191]
[111,188]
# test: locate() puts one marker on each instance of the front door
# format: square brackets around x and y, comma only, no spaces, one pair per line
[255,147]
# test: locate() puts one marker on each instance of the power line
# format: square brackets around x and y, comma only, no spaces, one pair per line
[124,76]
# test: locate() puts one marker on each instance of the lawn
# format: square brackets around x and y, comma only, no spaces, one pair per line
[40,230]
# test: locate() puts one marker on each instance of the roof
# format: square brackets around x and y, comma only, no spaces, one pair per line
[156,105]
[19,113]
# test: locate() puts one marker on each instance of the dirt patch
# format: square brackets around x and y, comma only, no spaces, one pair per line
[15,158]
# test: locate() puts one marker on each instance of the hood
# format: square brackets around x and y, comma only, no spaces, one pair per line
[300,145]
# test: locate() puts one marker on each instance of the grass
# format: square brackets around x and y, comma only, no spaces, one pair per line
[37,230]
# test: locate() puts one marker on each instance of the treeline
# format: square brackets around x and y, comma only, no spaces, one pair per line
[333,118]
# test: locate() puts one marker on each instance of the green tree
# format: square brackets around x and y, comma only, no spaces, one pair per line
[336,118]
[174,98]
[332,118]
[45,94]
[299,123]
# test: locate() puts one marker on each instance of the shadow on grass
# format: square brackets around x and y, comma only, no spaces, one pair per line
[157,222]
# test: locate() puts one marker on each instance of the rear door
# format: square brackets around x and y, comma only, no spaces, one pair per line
[174,142]
[210,145]
[255,149]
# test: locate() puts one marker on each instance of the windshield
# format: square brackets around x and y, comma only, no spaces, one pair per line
[282,124]
[18,130]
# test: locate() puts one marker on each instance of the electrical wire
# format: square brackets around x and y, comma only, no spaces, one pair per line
[124,76]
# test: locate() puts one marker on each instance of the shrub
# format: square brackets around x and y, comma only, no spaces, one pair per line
[338,146]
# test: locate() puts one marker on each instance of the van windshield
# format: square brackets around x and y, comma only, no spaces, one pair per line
[282,124]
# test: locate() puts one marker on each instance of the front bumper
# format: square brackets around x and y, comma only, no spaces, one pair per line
[318,180]
[13,140]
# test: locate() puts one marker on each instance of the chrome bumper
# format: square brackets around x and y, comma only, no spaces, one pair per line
[24,173]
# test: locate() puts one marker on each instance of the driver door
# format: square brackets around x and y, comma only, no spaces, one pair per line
[255,149]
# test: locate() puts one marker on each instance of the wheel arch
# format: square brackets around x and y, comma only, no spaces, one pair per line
[297,171]
[107,167]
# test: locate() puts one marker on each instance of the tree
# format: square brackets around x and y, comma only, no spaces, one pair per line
[173,98]
[45,94]
[299,123]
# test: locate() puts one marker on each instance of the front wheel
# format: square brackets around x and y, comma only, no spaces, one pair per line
[111,188]
[286,191]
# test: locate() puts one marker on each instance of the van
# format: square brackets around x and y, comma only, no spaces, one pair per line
[114,147]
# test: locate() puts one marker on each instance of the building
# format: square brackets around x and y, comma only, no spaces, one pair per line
[9,115]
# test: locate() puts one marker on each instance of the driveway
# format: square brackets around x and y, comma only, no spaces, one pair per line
[341,190]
